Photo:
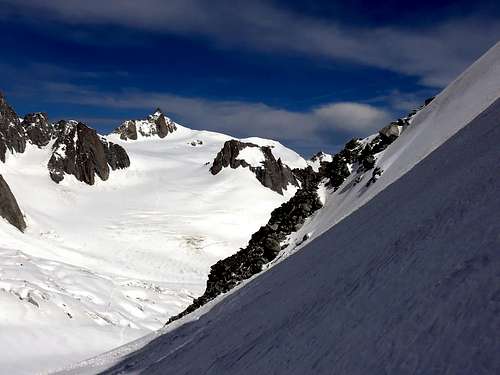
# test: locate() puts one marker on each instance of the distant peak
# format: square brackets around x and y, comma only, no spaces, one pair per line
[157,113]
[156,124]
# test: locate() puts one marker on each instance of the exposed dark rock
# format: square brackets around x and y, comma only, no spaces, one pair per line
[163,124]
[38,129]
[12,135]
[367,159]
[128,130]
[9,209]
[81,152]
[429,100]
[227,156]
[273,174]
[155,124]
[337,171]
[116,155]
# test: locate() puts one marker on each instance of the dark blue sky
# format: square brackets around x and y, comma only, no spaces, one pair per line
[310,74]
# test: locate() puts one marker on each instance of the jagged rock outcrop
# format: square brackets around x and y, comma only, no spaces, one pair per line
[228,156]
[12,134]
[38,129]
[81,152]
[9,209]
[116,155]
[156,124]
[273,174]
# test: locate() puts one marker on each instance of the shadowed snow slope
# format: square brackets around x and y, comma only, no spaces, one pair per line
[408,284]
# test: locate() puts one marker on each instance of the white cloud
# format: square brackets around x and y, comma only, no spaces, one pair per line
[435,54]
[352,117]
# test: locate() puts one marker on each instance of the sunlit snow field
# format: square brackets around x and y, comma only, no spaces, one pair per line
[101,265]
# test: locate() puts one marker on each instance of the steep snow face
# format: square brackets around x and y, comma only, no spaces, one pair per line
[464,99]
[407,284]
[101,265]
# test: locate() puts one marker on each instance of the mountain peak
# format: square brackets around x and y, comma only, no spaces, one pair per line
[155,124]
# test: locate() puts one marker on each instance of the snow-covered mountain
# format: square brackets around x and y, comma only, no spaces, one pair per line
[398,264]
[119,233]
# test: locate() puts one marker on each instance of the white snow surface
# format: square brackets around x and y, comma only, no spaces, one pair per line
[252,155]
[102,265]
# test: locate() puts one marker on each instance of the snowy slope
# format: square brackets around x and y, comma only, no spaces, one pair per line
[101,265]
[408,284]
[464,99]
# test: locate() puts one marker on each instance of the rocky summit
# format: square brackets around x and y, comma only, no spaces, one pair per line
[156,124]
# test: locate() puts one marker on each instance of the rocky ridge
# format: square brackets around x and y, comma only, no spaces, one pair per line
[272,173]
[77,149]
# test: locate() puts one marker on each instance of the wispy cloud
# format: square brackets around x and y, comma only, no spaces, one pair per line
[435,54]
[232,115]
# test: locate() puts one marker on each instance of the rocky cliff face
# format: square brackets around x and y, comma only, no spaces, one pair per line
[81,152]
[156,124]
[12,134]
[9,209]
[38,129]
[272,173]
